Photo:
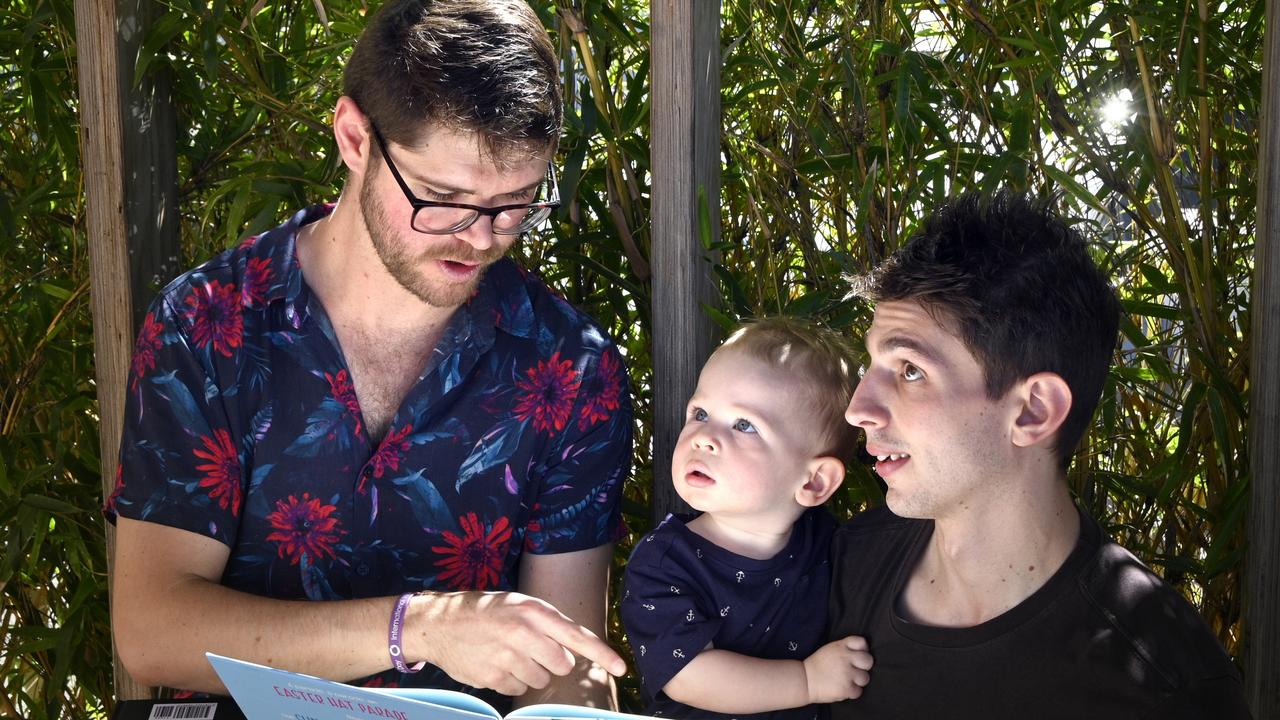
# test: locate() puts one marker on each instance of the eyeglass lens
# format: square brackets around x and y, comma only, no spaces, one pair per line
[435,219]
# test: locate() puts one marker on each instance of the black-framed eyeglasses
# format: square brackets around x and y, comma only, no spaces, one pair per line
[445,218]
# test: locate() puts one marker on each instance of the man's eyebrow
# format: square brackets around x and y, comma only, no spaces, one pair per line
[905,342]
[446,189]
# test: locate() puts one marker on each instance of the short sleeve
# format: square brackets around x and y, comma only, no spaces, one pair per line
[179,462]
[667,618]
[1219,697]
[579,505]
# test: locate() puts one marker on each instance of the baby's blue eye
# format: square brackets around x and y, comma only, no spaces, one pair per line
[911,373]
[699,414]
[744,426]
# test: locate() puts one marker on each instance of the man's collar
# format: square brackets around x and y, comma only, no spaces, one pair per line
[278,248]
[505,294]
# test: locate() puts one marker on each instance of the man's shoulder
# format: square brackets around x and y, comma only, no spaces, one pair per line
[256,270]
[1162,630]
[531,308]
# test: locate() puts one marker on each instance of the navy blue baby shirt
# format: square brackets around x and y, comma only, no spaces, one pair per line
[681,592]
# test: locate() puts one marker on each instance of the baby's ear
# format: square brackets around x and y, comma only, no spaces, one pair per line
[825,473]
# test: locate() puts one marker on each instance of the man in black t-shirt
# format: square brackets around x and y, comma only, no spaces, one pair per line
[982,590]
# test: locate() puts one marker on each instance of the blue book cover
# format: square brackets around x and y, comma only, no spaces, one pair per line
[266,693]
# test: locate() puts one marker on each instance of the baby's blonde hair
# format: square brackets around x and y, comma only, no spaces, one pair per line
[820,360]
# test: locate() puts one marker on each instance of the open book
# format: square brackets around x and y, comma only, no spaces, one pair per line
[265,693]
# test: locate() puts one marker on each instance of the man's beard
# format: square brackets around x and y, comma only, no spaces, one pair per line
[407,269]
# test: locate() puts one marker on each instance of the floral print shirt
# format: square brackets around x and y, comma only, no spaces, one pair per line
[242,424]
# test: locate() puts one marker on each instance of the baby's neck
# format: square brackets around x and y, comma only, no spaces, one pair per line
[757,542]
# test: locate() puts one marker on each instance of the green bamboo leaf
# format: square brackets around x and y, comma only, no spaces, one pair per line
[53,505]
[1075,189]
[1221,555]
[1151,309]
[55,290]
[1223,446]
[723,320]
[162,32]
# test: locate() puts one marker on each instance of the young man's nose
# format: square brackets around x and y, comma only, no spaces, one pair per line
[865,409]
[480,234]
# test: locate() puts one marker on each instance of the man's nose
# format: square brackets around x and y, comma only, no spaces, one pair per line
[479,235]
[866,410]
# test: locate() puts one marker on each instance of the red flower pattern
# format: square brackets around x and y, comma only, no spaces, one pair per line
[547,394]
[473,561]
[222,471]
[115,493]
[144,352]
[345,392]
[608,389]
[304,527]
[257,278]
[214,313]
[391,451]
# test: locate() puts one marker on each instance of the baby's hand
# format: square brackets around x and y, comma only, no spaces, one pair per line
[838,670]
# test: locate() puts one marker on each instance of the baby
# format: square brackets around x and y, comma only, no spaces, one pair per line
[726,608]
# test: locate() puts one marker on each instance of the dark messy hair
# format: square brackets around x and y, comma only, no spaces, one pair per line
[482,66]
[819,359]
[1019,288]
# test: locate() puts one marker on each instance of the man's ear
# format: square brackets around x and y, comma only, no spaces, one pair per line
[825,475]
[1044,401]
[355,139]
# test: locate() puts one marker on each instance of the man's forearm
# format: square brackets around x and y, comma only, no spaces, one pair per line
[163,632]
[170,609]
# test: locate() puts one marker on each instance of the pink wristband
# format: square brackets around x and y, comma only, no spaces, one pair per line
[395,634]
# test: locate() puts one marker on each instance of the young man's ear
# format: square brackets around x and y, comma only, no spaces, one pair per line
[1044,401]
[825,475]
[355,139]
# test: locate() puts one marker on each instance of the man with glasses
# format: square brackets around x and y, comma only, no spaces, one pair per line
[370,405]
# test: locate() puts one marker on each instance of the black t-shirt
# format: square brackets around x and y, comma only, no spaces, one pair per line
[1103,638]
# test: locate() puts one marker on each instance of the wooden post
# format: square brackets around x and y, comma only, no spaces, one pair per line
[150,168]
[108,260]
[685,156]
[1262,573]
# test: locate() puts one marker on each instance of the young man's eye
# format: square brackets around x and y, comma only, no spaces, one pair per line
[911,373]
[744,426]
[438,196]
[698,414]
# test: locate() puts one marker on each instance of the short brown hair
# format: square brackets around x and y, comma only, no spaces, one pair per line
[820,359]
[482,66]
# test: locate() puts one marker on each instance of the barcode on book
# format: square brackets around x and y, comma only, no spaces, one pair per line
[183,711]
